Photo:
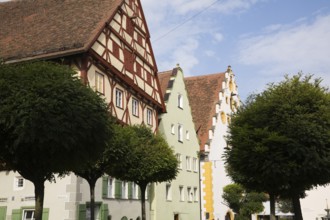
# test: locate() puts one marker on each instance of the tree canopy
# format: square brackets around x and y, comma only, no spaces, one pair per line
[244,203]
[142,157]
[280,139]
[49,122]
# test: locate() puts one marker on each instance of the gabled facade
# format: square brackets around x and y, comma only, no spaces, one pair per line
[180,198]
[108,43]
[213,99]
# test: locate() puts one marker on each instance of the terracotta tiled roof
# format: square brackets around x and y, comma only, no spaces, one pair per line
[50,28]
[203,94]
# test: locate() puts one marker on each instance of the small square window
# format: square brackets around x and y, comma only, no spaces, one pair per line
[18,183]
[135,107]
[149,116]
[119,98]
[99,82]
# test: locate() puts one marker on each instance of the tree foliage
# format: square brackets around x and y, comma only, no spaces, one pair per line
[242,202]
[142,157]
[281,139]
[49,122]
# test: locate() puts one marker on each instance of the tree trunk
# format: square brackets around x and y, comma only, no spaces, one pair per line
[39,192]
[296,207]
[92,198]
[143,201]
[272,206]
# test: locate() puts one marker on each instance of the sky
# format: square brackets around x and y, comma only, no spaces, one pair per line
[262,40]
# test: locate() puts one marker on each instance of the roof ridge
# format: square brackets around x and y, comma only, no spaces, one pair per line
[204,76]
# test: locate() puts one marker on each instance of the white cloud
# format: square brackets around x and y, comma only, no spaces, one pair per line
[218,37]
[305,47]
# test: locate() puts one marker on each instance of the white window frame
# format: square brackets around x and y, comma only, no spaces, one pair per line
[124,190]
[195,194]
[25,212]
[99,82]
[19,183]
[97,211]
[135,107]
[168,192]
[195,164]
[119,98]
[181,193]
[180,133]
[172,129]
[111,187]
[135,190]
[188,163]
[179,158]
[187,135]
[190,194]
[149,116]
[180,101]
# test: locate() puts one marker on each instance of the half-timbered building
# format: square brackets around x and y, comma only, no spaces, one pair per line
[108,43]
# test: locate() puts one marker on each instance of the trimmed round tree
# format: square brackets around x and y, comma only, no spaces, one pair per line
[280,140]
[50,122]
[141,157]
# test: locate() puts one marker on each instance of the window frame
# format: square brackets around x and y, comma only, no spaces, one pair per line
[181,193]
[180,101]
[119,98]
[179,158]
[168,192]
[149,117]
[188,163]
[135,107]
[24,213]
[19,183]
[180,133]
[99,82]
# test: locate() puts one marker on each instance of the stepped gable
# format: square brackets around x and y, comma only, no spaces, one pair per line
[165,80]
[31,29]
[203,94]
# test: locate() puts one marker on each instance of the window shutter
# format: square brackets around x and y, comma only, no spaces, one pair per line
[117,189]
[45,214]
[130,193]
[104,187]
[16,214]
[82,212]
[104,212]
[3,210]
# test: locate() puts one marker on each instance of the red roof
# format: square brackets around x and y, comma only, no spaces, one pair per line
[203,94]
[51,28]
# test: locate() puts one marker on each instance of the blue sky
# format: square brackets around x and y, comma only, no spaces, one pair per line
[261,39]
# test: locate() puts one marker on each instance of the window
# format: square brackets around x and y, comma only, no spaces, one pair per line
[18,183]
[119,98]
[28,214]
[179,158]
[96,212]
[180,101]
[99,82]
[149,116]
[135,191]
[180,128]
[111,187]
[188,163]
[135,107]
[195,165]
[195,194]
[181,191]
[187,135]
[168,192]
[172,129]
[124,190]
[190,194]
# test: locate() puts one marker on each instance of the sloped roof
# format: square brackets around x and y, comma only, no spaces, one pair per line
[51,28]
[164,79]
[203,94]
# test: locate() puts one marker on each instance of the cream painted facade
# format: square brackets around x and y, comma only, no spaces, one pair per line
[213,172]
[180,198]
